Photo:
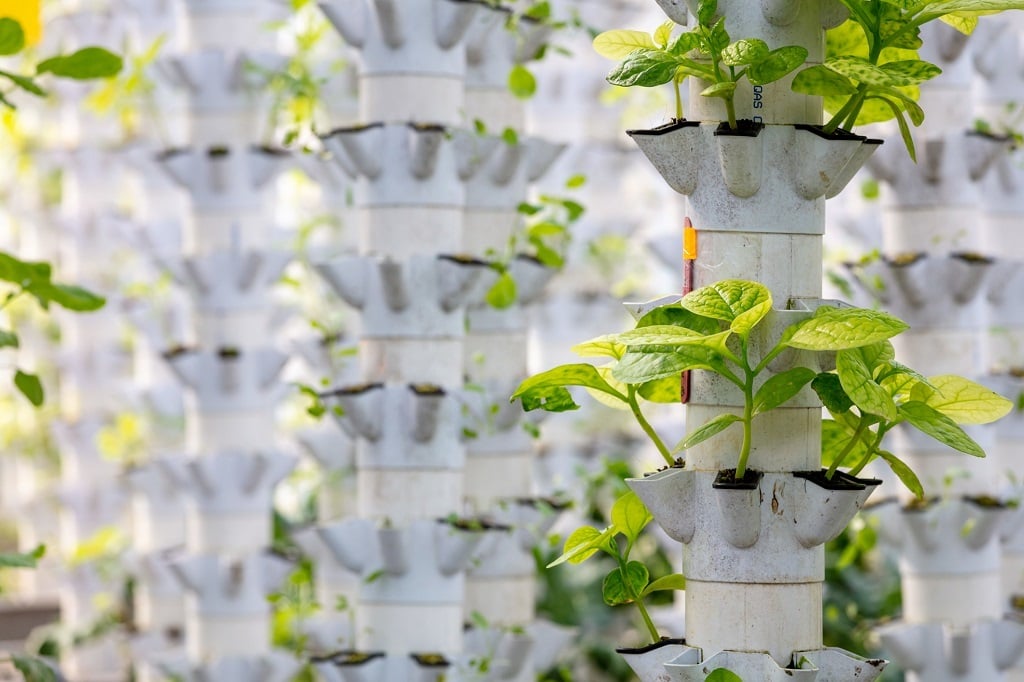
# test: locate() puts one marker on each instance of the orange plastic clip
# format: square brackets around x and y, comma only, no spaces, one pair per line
[689,241]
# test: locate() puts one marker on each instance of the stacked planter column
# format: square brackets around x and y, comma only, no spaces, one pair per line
[94,367]
[230,374]
[499,469]
[998,87]
[754,556]
[936,281]
[410,291]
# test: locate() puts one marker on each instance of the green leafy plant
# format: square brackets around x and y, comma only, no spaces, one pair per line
[711,329]
[872,70]
[545,229]
[85,64]
[35,279]
[706,52]
[870,393]
[630,581]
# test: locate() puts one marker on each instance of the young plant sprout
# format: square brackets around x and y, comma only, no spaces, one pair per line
[705,52]
[872,71]
[630,581]
[711,329]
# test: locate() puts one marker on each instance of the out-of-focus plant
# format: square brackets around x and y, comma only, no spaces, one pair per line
[296,88]
[129,95]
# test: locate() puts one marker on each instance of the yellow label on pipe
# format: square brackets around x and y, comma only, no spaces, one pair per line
[689,241]
[28,14]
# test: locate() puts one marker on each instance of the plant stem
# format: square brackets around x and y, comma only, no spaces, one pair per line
[849,447]
[730,112]
[637,599]
[748,412]
[634,405]
[853,105]
[679,99]
[872,449]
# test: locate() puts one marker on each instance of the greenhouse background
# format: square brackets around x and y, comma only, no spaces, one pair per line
[333,240]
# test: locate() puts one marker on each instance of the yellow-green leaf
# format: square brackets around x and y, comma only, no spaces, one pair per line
[630,516]
[619,43]
[966,402]
[664,33]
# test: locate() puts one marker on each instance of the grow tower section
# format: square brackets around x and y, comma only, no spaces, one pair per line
[229,367]
[753,553]
[937,276]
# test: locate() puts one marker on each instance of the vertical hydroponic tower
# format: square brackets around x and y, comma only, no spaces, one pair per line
[753,552]
[410,286]
[935,278]
[230,367]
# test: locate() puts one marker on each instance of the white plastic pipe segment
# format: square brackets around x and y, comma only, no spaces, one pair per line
[412,59]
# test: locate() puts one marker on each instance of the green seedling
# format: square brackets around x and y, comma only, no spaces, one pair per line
[706,52]
[872,70]
[630,581]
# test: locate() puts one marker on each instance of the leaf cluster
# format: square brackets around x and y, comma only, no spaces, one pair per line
[711,329]
[706,51]
[630,581]
[35,279]
[872,71]
[87,63]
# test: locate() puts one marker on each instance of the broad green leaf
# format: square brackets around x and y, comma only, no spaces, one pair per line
[679,316]
[539,385]
[709,429]
[781,388]
[965,24]
[842,328]
[723,675]
[73,297]
[8,339]
[582,544]
[641,367]
[621,43]
[549,399]
[615,402]
[739,302]
[834,439]
[85,64]
[706,10]
[502,293]
[630,516]
[940,427]
[684,43]
[24,82]
[725,90]
[856,378]
[966,402]
[667,390]
[910,71]
[745,51]
[901,122]
[606,346]
[670,335]
[719,39]
[673,581]
[12,37]
[903,472]
[646,68]
[30,387]
[934,10]
[615,589]
[859,70]
[33,669]
[662,34]
[830,392]
[22,560]
[521,82]
[822,81]
[779,63]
